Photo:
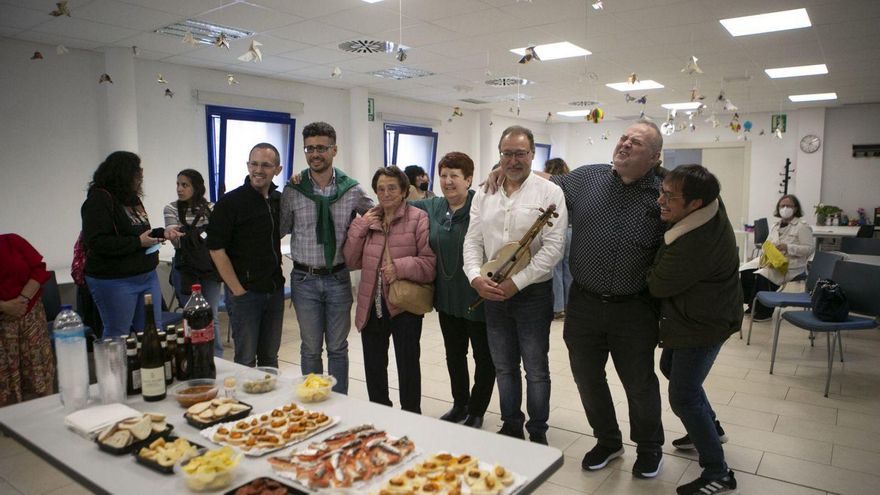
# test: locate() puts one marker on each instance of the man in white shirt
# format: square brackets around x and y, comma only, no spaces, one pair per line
[519,309]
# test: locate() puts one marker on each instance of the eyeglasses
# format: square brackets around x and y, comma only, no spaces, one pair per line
[669,196]
[447,222]
[318,149]
[518,154]
[261,164]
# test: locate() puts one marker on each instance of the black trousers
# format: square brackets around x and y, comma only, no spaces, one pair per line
[457,332]
[627,331]
[752,283]
[406,330]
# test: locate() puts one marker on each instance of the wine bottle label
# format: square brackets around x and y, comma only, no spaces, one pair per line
[153,381]
[203,335]
[136,379]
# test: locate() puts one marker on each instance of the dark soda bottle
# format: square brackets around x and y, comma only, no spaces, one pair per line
[198,319]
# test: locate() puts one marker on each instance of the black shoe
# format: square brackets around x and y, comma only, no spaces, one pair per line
[648,464]
[474,421]
[455,415]
[700,486]
[512,431]
[538,438]
[685,443]
[599,457]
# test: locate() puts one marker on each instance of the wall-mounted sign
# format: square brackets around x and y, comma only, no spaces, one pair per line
[778,121]
[371,109]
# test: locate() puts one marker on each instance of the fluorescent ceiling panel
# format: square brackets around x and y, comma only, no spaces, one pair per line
[553,51]
[799,71]
[372,1]
[574,113]
[813,97]
[690,105]
[638,86]
[767,23]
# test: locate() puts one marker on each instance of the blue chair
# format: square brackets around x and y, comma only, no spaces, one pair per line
[860,245]
[861,284]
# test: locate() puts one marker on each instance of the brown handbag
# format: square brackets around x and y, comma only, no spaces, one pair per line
[407,295]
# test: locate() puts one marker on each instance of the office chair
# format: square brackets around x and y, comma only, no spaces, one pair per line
[859,245]
[762,231]
[865,232]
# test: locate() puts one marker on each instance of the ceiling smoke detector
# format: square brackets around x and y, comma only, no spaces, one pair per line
[508,81]
[367,46]
[584,103]
[400,72]
[205,33]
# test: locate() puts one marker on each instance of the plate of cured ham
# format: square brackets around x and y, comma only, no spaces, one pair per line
[447,474]
[351,459]
[269,431]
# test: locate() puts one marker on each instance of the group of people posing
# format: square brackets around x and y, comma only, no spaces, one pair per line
[652,260]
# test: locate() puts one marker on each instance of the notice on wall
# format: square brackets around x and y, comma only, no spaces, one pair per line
[778,121]
[371,109]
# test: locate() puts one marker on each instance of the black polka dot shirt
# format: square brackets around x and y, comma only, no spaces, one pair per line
[616,228]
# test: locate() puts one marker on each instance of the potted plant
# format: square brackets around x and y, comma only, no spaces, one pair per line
[824,211]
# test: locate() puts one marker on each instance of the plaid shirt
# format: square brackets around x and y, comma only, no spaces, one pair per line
[299,216]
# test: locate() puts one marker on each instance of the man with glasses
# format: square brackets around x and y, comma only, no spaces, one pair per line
[317,207]
[244,242]
[519,310]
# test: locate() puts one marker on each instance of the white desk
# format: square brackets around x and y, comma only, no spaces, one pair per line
[834,231]
[39,425]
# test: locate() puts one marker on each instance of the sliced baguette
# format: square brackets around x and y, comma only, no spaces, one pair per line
[120,439]
[142,428]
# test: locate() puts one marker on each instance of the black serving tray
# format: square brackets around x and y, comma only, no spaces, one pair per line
[135,446]
[290,490]
[155,466]
[233,417]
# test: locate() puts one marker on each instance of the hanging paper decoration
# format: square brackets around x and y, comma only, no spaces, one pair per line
[161,79]
[747,126]
[105,78]
[135,51]
[596,115]
[230,79]
[778,133]
[169,93]
[456,112]
[221,41]
[633,78]
[629,98]
[60,9]
[590,141]
[401,55]
[61,50]
[695,94]
[549,118]
[598,5]
[606,135]
[734,123]
[762,132]
[188,38]
[253,54]
[729,106]
[643,100]
[691,67]
[721,96]
[713,120]
[667,128]
[37,56]
[491,123]
[337,73]
[717,138]
[529,56]
[691,126]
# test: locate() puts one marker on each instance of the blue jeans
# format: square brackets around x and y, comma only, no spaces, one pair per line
[120,302]
[211,291]
[686,370]
[256,320]
[519,329]
[562,277]
[323,310]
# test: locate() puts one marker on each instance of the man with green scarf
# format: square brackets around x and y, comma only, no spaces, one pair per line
[317,210]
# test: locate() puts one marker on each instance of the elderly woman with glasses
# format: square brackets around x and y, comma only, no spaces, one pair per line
[407,257]
[449,219]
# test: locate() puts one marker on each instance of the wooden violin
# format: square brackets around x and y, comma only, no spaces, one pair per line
[512,257]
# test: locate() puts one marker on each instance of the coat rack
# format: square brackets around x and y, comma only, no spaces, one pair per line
[786,176]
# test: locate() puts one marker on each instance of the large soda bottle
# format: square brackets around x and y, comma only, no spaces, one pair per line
[198,320]
[71,359]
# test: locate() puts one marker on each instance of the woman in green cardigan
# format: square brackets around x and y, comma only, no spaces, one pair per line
[449,217]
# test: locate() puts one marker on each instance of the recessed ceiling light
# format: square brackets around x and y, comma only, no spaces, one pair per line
[205,33]
[574,113]
[400,73]
[802,70]
[554,51]
[767,23]
[813,97]
[690,105]
[638,86]
[372,1]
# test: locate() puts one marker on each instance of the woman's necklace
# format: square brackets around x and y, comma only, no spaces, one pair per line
[458,247]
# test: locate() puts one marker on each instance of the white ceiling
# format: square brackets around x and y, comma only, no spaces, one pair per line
[459,40]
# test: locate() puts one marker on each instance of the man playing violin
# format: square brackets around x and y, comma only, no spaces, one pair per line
[519,309]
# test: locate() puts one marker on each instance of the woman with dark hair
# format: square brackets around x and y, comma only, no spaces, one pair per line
[121,251]
[794,238]
[418,183]
[449,217]
[192,263]
[408,257]
[561,272]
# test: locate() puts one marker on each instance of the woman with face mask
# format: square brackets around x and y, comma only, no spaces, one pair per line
[794,238]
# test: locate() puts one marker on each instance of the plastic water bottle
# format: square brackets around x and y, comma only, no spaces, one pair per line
[72,361]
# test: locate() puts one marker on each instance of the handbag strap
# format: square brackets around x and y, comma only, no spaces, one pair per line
[387,252]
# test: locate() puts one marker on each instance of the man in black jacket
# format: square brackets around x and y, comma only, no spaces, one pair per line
[695,275]
[245,243]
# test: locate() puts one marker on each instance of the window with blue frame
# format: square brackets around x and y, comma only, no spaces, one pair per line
[411,145]
[232,132]
[542,154]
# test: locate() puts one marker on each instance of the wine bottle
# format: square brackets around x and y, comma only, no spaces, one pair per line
[171,339]
[152,357]
[181,363]
[133,382]
[169,372]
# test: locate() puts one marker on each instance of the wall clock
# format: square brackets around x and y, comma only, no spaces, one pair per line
[810,143]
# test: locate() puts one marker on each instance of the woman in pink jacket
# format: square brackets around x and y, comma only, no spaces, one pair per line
[411,259]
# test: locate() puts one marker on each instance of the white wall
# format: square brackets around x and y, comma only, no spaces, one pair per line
[848,182]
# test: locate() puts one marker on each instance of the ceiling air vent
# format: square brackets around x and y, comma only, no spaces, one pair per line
[400,72]
[203,32]
[367,46]
[584,103]
[511,97]
[474,101]
[508,81]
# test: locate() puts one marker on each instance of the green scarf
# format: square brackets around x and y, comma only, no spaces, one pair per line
[324,227]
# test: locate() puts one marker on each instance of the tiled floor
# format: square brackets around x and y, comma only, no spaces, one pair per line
[785,437]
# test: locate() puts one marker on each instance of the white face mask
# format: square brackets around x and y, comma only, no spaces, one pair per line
[786,212]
